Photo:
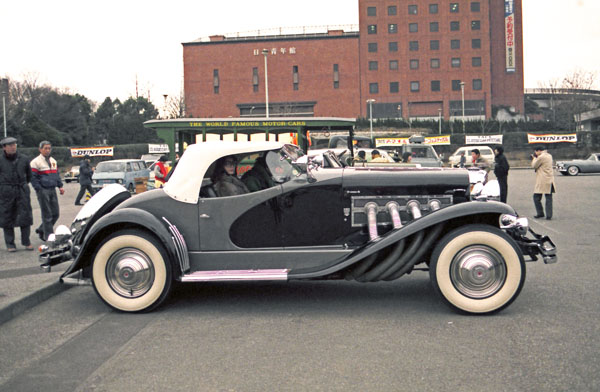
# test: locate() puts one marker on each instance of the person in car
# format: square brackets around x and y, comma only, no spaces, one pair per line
[361,157]
[376,157]
[225,180]
[406,157]
[259,177]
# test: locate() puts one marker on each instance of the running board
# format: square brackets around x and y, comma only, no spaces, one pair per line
[236,275]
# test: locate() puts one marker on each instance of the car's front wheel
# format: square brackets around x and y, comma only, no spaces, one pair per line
[131,271]
[477,269]
[573,170]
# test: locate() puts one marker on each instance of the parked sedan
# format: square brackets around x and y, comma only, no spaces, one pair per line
[72,175]
[572,168]
[365,224]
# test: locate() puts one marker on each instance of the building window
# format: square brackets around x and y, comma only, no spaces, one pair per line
[476,43]
[477,84]
[255,79]
[414,64]
[295,77]
[455,44]
[372,47]
[475,25]
[413,10]
[393,46]
[435,85]
[415,87]
[454,8]
[372,29]
[456,85]
[392,28]
[475,7]
[336,76]
[413,45]
[373,65]
[393,65]
[454,26]
[433,8]
[216,81]
[434,44]
[371,11]
[392,10]
[413,27]
[455,62]
[394,87]
[435,63]
[434,27]
[374,88]
[476,61]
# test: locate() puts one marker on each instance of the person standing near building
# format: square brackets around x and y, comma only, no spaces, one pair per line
[15,200]
[544,181]
[44,179]
[501,171]
[160,172]
[85,179]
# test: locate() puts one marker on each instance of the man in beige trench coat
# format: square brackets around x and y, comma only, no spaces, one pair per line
[544,181]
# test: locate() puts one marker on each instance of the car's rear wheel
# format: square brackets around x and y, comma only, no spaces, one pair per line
[573,170]
[131,271]
[477,269]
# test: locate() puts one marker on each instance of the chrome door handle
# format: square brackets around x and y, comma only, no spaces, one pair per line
[204,216]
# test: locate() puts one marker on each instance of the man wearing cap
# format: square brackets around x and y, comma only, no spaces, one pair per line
[160,172]
[85,179]
[376,157]
[15,201]
[45,179]
[544,181]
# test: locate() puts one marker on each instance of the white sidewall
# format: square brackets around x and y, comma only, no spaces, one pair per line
[513,272]
[101,282]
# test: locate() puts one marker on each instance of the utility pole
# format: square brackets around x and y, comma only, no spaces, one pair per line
[4,91]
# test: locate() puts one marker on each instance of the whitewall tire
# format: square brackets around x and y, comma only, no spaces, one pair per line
[131,271]
[477,269]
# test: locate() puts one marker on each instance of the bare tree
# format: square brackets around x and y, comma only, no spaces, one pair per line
[579,79]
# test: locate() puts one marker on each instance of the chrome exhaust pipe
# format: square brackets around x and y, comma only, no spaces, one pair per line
[371,210]
[414,207]
[394,210]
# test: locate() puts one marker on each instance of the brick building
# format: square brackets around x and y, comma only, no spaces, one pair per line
[410,57]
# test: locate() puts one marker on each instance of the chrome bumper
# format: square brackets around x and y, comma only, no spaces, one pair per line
[538,246]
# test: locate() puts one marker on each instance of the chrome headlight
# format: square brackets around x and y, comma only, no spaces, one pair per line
[61,236]
[95,181]
[120,181]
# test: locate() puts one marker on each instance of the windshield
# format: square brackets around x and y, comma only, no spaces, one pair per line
[107,167]
[421,151]
[282,163]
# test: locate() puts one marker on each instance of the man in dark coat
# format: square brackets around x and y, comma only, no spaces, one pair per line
[85,179]
[15,202]
[259,177]
[501,171]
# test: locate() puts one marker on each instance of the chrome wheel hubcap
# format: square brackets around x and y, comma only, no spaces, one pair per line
[130,272]
[478,272]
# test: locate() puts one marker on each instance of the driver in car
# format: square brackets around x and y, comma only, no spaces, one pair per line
[259,177]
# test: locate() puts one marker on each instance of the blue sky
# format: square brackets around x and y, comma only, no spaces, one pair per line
[99,49]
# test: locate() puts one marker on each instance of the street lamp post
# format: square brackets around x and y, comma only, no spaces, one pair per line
[370,102]
[265,52]
[462,91]
[4,91]
[440,120]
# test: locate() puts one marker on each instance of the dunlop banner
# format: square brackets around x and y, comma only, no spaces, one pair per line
[80,152]
[568,138]
[484,139]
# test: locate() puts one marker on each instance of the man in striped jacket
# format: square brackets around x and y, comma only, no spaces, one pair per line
[44,179]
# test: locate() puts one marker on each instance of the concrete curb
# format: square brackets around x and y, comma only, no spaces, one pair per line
[27,301]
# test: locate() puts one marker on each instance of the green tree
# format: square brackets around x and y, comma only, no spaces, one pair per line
[129,122]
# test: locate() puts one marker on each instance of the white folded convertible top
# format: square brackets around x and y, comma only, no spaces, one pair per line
[184,184]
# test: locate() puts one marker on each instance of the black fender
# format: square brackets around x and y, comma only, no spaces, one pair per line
[123,219]
[444,215]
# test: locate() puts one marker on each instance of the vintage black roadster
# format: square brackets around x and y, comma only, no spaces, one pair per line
[365,224]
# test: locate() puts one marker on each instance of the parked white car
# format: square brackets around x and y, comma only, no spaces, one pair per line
[486,152]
